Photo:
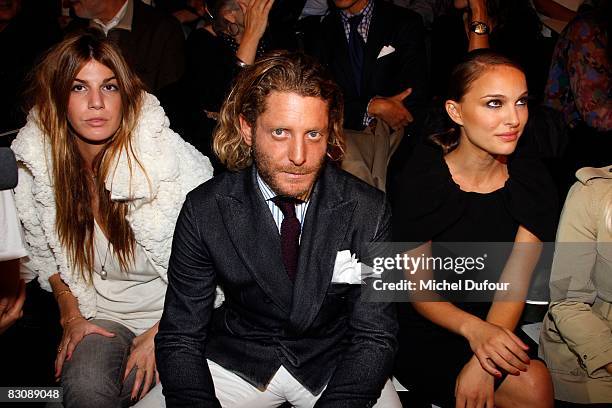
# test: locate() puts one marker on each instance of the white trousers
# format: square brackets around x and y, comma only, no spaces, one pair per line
[234,392]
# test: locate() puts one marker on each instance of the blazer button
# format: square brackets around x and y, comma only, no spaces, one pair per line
[267,300]
[584,357]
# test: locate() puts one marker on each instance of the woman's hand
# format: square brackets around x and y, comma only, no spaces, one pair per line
[142,358]
[494,345]
[255,23]
[477,11]
[74,331]
[474,387]
[478,7]
[255,17]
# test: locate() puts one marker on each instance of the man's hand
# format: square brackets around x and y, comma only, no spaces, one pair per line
[391,110]
[142,358]
[11,308]
[474,387]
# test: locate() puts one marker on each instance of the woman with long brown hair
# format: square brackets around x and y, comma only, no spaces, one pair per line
[102,180]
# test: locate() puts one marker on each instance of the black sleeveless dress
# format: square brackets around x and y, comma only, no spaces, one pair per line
[428,205]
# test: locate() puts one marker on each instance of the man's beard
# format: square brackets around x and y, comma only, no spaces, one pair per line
[266,170]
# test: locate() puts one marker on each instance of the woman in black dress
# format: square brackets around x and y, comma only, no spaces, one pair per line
[469,185]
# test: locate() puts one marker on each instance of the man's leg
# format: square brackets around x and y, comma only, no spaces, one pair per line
[359,150]
[367,153]
[300,397]
[388,397]
[297,395]
[231,391]
[387,141]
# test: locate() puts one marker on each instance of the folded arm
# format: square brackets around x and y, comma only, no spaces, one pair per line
[398,106]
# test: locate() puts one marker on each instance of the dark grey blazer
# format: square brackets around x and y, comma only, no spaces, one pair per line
[320,332]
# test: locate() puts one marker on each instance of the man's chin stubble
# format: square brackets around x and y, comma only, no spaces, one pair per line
[287,190]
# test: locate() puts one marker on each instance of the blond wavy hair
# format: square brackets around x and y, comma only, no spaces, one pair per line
[49,92]
[282,72]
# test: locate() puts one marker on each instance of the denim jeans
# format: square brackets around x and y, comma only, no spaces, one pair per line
[93,377]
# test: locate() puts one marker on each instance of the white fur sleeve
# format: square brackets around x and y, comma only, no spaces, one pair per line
[40,257]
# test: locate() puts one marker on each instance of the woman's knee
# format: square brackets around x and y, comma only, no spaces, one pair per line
[532,388]
[93,377]
[83,388]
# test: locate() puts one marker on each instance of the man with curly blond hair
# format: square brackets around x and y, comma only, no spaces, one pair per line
[271,233]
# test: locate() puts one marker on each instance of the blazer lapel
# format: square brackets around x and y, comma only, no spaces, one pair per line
[327,221]
[340,53]
[255,237]
[376,36]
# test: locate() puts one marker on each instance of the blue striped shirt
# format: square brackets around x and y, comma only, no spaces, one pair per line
[277,214]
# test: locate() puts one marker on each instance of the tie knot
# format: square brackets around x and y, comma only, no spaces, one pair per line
[286,205]
[355,20]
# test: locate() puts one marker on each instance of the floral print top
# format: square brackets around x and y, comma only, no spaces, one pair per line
[580,77]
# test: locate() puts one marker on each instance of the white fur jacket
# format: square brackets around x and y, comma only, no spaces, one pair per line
[173,167]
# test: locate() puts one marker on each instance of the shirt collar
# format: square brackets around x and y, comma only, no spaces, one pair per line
[122,20]
[266,191]
[367,12]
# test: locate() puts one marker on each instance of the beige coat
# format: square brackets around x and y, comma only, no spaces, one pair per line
[576,337]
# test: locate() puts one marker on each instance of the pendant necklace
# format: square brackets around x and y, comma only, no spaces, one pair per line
[103,272]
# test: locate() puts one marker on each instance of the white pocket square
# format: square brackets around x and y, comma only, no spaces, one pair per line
[386,50]
[346,268]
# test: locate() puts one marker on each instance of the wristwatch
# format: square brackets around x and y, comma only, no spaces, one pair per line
[478,27]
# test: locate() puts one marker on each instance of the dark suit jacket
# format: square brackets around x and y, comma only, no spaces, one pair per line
[386,76]
[154,48]
[320,332]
